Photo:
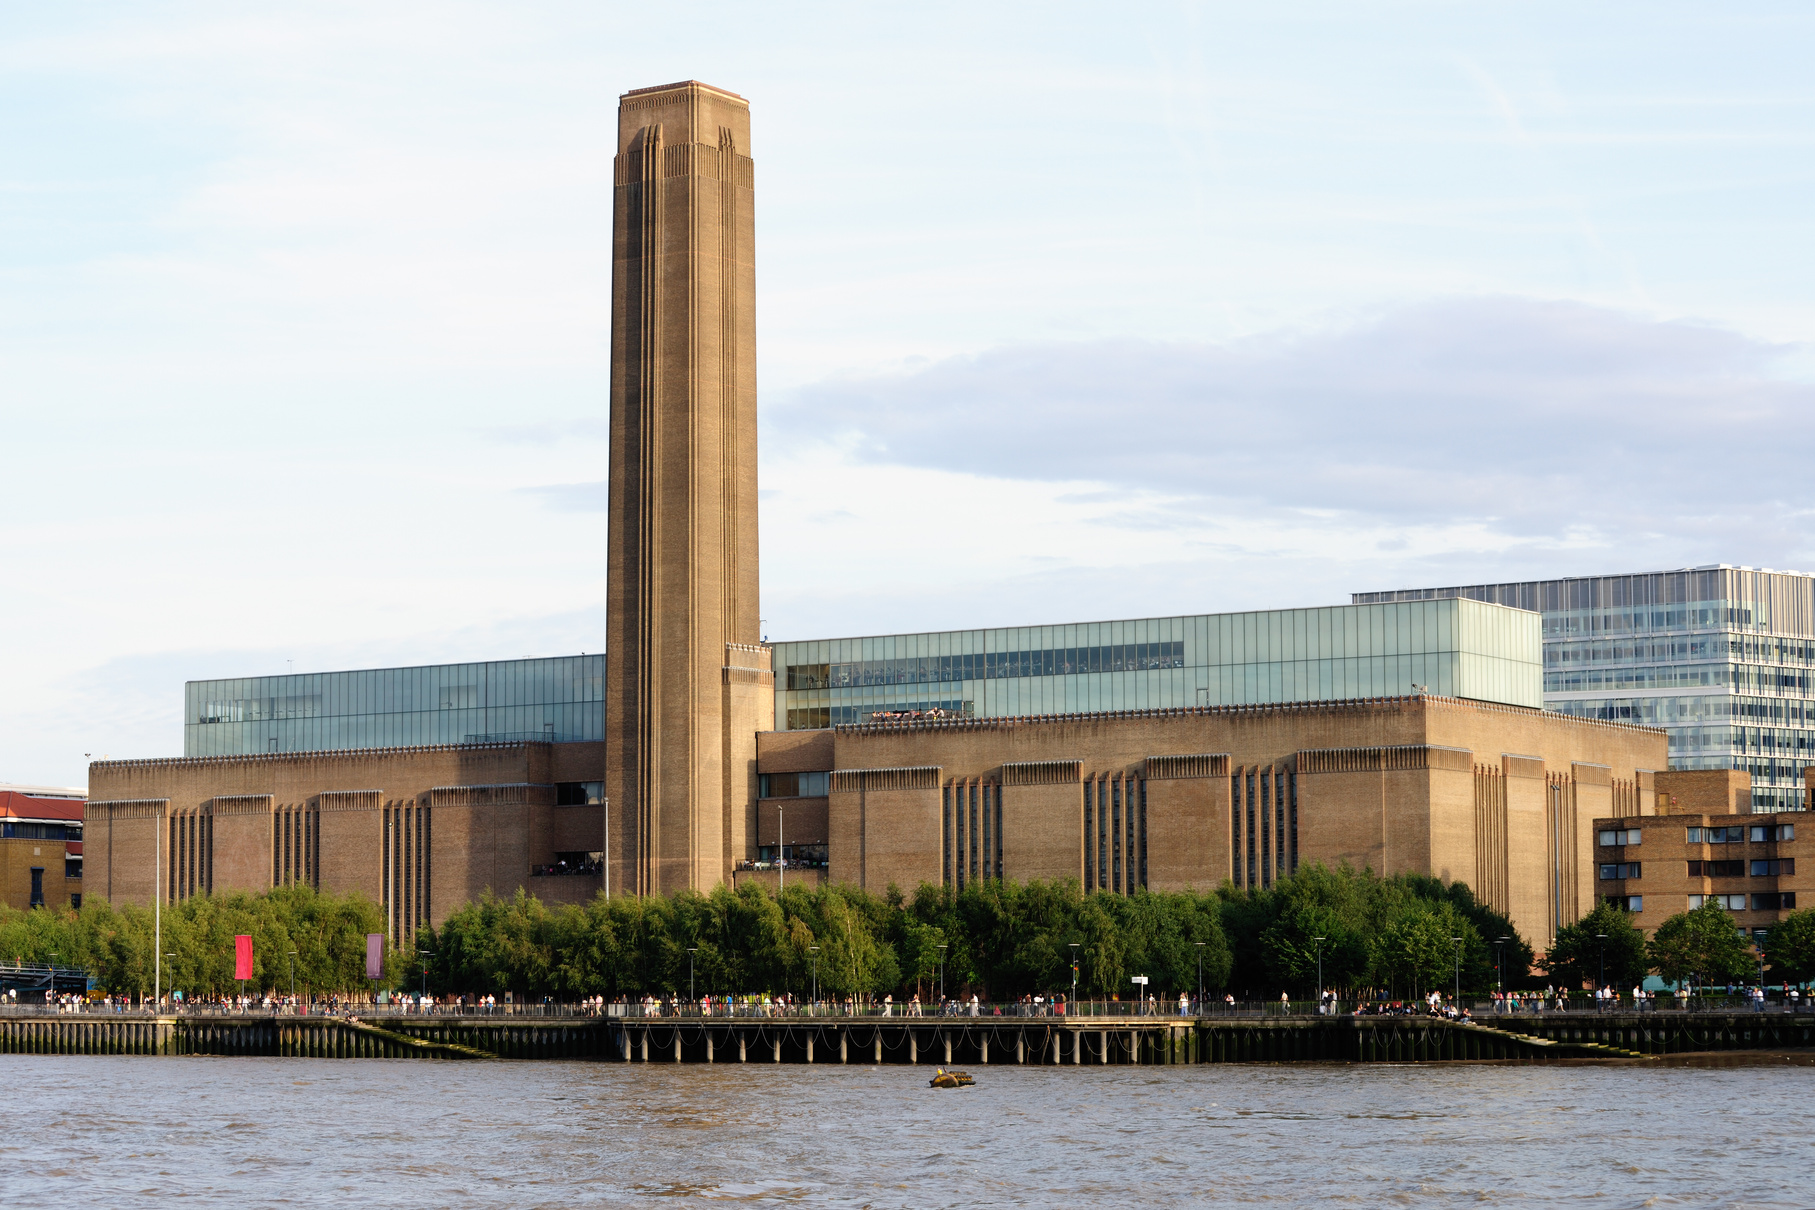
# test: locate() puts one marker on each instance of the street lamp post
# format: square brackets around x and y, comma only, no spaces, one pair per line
[942,978]
[1073,1007]
[1458,997]
[292,974]
[424,955]
[691,950]
[814,950]
[1500,962]
[1600,977]
[781,854]
[157,913]
[1200,978]
[1319,941]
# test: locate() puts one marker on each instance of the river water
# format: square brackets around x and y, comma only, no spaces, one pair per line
[127,1131]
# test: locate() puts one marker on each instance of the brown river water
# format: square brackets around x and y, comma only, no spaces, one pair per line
[267,1132]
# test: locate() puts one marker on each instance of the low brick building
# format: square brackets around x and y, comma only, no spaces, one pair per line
[40,846]
[419,830]
[1701,844]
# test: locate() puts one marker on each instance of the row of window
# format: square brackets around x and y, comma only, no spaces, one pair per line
[1713,615]
[992,665]
[41,831]
[1736,833]
[1763,867]
[1731,834]
[793,785]
[1751,649]
[1768,901]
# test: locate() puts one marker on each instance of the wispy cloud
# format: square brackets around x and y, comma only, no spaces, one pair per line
[1530,420]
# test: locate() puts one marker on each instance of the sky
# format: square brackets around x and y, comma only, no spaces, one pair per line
[1065,312]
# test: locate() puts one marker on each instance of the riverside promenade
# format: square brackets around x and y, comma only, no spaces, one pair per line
[1072,1041]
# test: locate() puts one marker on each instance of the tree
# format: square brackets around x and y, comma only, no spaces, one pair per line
[1574,960]
[1703,945]
[1790,947]
[1418,946]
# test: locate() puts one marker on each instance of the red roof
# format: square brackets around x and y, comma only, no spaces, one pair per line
[14,805]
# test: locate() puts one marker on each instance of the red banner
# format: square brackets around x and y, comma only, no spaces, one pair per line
[242,957]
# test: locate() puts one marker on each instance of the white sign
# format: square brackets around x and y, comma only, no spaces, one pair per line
[1141,979]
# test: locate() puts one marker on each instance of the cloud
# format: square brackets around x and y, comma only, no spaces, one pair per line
[572,497]
[1546,422]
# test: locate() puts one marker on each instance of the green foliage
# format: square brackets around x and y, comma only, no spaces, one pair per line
[1790,947]
[1000,940]
[327,932]
[1575,957]
[1703,946]
[1395,935]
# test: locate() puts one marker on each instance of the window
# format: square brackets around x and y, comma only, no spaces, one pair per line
[1770,867]
[1626,903]
[1774,901]
[1782,831]
[1626,836]
[1624,869]
[1733,835]
[38,831]
[579,793]
[37,886]
[793,785]
[75,901]
[1733,903]
[1717,869]
[72,867]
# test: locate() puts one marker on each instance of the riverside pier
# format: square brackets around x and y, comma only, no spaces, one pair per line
[970,1041]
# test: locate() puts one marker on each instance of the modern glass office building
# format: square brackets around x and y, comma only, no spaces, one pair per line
[1720,657]
[561,699]
[1456,647]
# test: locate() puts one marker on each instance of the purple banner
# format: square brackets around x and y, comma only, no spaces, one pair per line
[374,955]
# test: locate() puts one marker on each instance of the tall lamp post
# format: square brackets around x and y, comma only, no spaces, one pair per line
[781,854]
[1600,977]
[157,914]
[814,950]
[691,950]
[1500,963]
[1200,978]
[292,954]
[1320,942]
[424,955]
[1073,1006]
[1458,996]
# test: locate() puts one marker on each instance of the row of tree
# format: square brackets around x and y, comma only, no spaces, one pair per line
[1699,948]
[1001,940]
[316,943]
[1341,929]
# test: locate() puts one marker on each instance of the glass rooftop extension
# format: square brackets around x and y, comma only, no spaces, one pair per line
[560,699]
[1456,647]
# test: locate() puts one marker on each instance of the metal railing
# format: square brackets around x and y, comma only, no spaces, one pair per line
[1482,1010]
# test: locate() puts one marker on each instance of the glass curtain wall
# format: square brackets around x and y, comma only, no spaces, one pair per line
[1722,658]
[560,700]
[1454,647]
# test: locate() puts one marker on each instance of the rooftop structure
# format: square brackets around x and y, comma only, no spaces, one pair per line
[1453,647]
[1722,658]
[557,700]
